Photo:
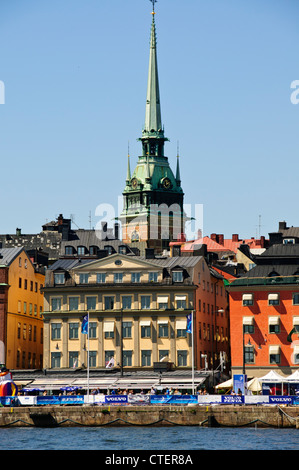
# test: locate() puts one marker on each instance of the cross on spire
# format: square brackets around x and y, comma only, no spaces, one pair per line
[153,2]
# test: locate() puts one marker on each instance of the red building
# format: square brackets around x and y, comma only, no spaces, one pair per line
[264,310]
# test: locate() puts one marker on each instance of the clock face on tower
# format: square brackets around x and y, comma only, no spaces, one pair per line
[134,183]
[166,183]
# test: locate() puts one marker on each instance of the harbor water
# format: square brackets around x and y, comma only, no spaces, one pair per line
[175,438]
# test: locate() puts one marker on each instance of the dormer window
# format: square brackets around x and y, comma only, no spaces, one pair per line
[177,276]
[93,250]
[59,278]
[81,250]
[109,249]
[122,250]
[69,250]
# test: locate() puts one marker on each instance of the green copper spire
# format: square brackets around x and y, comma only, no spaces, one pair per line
[153,120]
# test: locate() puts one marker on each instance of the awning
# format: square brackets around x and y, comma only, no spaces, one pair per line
[162,299]
[274,349]
[180,297]
[162,322]
[247,297]
[248,320]
[181,324]
[145,323]
[295,321]
[273,296]
[273,320]
[108,326]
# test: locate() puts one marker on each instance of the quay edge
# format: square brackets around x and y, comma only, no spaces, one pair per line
[274,416]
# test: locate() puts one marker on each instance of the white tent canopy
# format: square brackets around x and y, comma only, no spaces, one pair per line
[293,377]
[254,385]
[227,384]
[273,377]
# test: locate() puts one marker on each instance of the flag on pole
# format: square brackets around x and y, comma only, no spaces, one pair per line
[84,327]
[189,323]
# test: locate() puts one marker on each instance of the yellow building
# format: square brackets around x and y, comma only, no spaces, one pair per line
[137,308]
[21,305]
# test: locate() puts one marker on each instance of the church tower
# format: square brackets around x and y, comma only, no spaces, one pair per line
[153,212]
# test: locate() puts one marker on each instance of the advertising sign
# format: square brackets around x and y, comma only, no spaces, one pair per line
[174,399]
[239,383]
[233,399]
[116,399]
[286,400]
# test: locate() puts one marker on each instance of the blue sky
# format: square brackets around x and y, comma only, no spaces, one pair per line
[75,76]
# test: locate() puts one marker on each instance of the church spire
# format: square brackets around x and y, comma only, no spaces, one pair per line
[153,120]
[178,176]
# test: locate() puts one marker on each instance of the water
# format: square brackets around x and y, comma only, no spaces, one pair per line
[144,438]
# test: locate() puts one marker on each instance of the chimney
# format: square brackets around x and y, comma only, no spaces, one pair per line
[213,237]
[116,231]
[221,239]
[235,237]
[60,219]
[18,232]
[149,253]
[282,226]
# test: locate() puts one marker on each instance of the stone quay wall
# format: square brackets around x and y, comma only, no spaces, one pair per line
[151,415]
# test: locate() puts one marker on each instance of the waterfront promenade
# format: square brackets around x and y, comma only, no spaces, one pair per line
[276,416]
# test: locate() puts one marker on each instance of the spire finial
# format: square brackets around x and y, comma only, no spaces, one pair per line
[153,2]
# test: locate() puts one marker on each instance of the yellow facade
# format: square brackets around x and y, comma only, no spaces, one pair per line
[135,316]
[24,342]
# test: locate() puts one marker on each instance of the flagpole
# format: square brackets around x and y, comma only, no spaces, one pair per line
[192,352]
[88,357]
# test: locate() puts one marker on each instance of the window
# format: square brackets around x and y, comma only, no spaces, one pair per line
[181,328]
[273,299]
[108,356]
[55,331]
[59,278]
[181,301]
[73,330]
[55,360]
[24,331]
[153,277]
[69,250]
[289,241]
[135,277]
[122,250]
[163,354]
[248,354]
[145,329]
[109,303]
[145,301]
[25,307]
[274,358]
[73,358]
[31,286]
[20,282]
[56,303]
[74,303]
[25,284]
[19,306]
[81,250]
[163,330]
[93,250]
[146,358]
[109,249]
[109,329]
[92,330]
[101,278]
[182,358]
[247,300]
[126,301]
[162,301]
[92,358]
[248,328]
[274,325]
[83,278]
[91,303]
[127,329]
[30,309]
[177,276]
[118,277]
[127,358]
[296,299]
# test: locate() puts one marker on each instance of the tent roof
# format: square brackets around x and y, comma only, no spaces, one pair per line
[293,377]
[272,376]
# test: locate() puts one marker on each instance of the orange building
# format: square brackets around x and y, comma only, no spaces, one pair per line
[212,346]
[264,310]
[21,306]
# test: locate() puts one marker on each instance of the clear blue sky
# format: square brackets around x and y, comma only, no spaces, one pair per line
[75,75]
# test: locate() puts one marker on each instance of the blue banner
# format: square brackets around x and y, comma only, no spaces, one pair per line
[232,399]
[239,382]
[286,400]
[116,399]
[173,399]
